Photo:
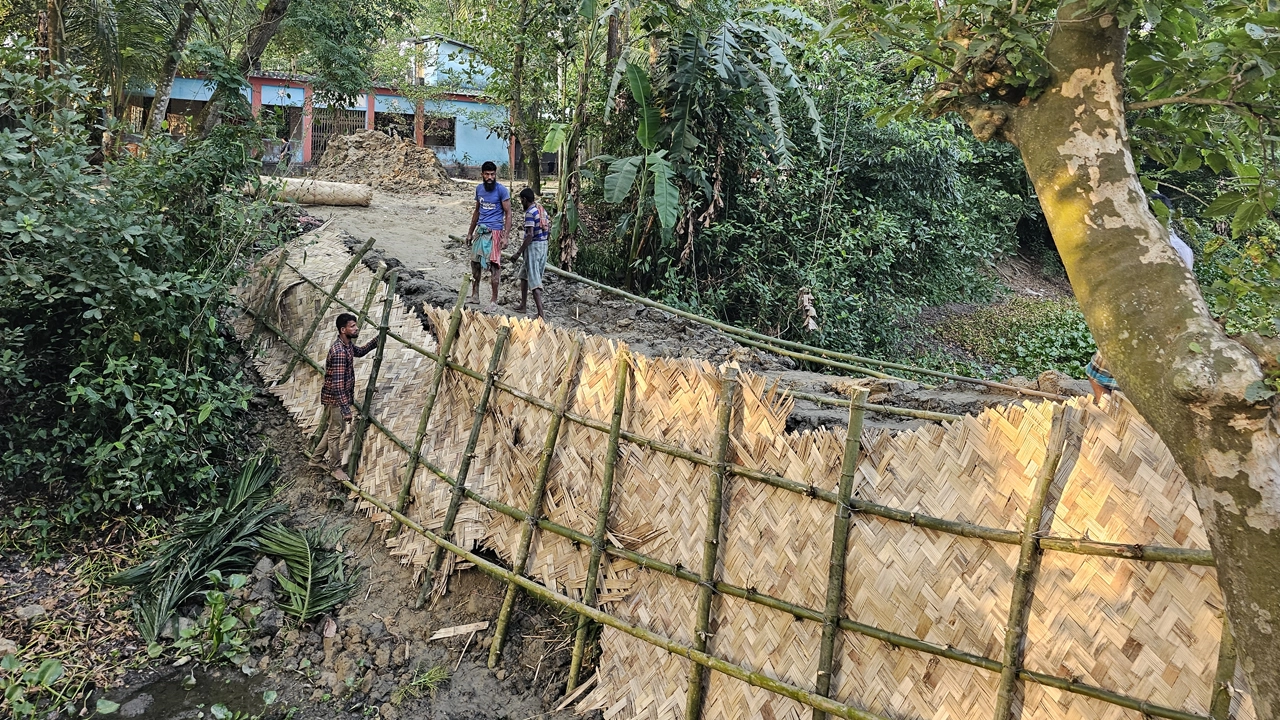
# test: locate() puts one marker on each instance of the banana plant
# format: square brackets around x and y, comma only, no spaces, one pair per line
[650,166]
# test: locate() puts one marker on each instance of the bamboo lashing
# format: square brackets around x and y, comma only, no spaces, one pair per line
[839,547]
[468,455]
[328,300]
[371,385]
[711,540]
[1028,565]
[530,370]
[521,563]
[442,359]
[622,375]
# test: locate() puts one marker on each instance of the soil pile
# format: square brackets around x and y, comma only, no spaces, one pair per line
[376,159]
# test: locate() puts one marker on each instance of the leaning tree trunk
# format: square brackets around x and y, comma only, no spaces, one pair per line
[519,126]
[1199,388]
[164,87]
[248,58]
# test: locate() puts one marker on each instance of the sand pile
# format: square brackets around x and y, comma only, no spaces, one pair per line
[374,158]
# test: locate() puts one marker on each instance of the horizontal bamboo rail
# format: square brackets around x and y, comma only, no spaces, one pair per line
[809,349]
[1077,546]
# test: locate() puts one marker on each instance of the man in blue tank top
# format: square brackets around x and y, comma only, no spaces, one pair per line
[489,222]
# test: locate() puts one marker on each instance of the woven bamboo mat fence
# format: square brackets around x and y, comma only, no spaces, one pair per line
[1121,613]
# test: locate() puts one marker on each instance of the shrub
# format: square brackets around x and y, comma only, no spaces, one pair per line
[1026,336]
[115,391]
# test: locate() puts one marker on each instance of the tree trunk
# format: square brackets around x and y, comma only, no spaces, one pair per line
[1193,383]
[164,87]
[569,177]
[520,130]
[248,58]
[614,48]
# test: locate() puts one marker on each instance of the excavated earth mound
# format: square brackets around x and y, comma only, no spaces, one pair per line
[376,159]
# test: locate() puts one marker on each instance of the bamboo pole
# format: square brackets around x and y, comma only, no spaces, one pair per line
[520,562]
[759,337]
[703,659]
[711,541]
[1220,705]
[807,357]
[328,300]
[1024,578]
[623,374]
[433,391]
[839,549]
[271,291]
[464,467]
[371,385]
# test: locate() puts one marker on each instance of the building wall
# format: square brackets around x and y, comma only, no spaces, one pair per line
[473,142]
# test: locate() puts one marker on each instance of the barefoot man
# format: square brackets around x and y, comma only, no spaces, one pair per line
[338,394]
[534,250]
[489,222]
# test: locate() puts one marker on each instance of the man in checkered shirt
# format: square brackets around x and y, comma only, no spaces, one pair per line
[338,394]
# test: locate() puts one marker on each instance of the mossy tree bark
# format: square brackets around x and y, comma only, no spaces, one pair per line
[1199,388]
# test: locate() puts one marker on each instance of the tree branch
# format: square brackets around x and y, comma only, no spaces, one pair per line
[1193,100]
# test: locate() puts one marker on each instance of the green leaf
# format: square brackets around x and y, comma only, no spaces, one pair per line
[1258,391]
[666,196]
[1195,348]
[106,707]
[1188,159]
[220,711]
[622,175]
[588,9]
[1248,215]
[556,135]
[49,672]
[650,117]
[269,697]
[1224,204]
[1216,161]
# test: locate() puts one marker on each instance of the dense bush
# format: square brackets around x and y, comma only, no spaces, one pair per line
[113,382]
[886,218]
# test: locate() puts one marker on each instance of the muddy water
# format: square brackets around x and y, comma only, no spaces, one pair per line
[190,694]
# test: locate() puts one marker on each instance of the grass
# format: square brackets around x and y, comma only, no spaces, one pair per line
[424,682]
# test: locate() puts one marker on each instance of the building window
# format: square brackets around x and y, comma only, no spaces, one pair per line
[440,132]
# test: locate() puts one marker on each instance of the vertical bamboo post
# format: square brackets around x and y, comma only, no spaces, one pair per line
[460,480]
[324,307]
[442,364]
[1220,706]
[839,549]
[258,323]
[1024,577]
[520,564]
[602,515]
[371,385]
[711,542]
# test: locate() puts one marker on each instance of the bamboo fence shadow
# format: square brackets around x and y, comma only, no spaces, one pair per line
[1039,560]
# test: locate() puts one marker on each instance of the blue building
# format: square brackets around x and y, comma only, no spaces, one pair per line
[457,123]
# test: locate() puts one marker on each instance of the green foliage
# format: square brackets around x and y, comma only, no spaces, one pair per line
[889,217]
[1026,336]
[426,681]
[21,684]
[216,635]
[338,40]
[219,539]
[317,580]
[1241,281]
[117,393]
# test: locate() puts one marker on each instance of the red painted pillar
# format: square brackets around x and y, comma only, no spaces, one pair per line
[306,123]
[255,96]
[371,104]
